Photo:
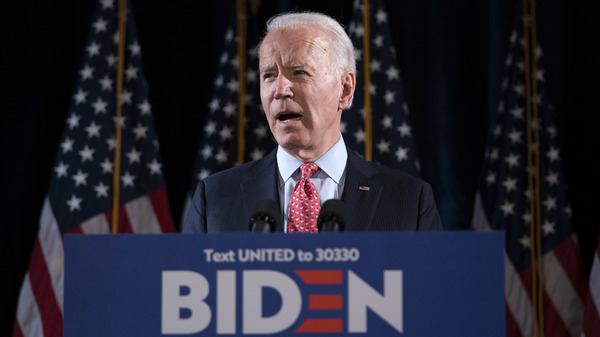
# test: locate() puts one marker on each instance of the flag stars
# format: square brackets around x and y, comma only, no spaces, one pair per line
[111,142]
[140,131]
[381,16]
[155,167]
[552,178]
[93,49]
[510,184]
[517,112]
[105,83]
[61,170]
[515,136]
[230,109]
[512,160]
[392,73]
[360,136]
[74,203]
[73,121]
[111,60]
[99,106]
[134,48]
[80,96]
[93,130]
[210,128]
[549,203]
[404,129]
[402,153]
[134,156]
[119,121]
[508,208]
[67,145]
[386,122]
[221,157]
[86,73]
[229,35]
[375,65]
[490,178]
[219,81]
[389,97]
[126,97]
[131,72]
[378,41]
[383,146]
[260,131]
[359,31]
[86,154]
[525,242]
[233,85]
[256,154]
[494,154]
[145,107]
[214,105]
[251,76]
[225,133]
[519,89]
[101,190]
[224,57]
[106,4]
[553,154]
[549,227]
[526,217]
[100,25]
[80,178]
[206,152]
[107,166]
[203,174]
[128,180]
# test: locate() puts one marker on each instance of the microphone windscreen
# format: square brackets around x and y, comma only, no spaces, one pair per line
[332,211]
[266,212]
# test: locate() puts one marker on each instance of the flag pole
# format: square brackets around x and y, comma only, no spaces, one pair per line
[120,65]
[533,167]
[241,56]
[536,153]
[367,75]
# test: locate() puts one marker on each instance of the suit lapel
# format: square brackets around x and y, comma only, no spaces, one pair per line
[361,193]
[261,184]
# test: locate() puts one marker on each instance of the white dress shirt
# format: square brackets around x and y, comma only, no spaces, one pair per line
[328,180]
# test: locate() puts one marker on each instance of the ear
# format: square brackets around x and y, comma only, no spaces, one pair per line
[348,86]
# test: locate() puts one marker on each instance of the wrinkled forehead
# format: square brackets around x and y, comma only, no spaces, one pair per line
[307,41]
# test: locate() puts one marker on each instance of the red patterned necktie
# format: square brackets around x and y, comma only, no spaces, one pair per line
[304,204]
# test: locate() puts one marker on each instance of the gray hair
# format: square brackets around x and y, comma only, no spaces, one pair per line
[342,55]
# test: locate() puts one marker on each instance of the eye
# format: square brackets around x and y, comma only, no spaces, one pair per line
[300,72]
[267,76]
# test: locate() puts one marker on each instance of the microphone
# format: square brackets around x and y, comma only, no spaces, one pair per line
[332,217]
[266,217]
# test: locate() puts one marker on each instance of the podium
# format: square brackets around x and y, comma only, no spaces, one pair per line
[327,284]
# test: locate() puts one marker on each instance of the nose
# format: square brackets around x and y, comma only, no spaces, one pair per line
[283,87]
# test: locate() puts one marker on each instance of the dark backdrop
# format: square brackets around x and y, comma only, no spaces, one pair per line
[450,53]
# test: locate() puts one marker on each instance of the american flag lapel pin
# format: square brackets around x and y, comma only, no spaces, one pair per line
[364,188]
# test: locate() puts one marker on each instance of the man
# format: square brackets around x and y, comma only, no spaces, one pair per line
[307,78]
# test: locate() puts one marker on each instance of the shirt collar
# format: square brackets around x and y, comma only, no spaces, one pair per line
[333,162]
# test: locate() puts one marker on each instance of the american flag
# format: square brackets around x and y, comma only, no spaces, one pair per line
[391,136]
[591,322]
[218,147]
[79,199]
[522,191]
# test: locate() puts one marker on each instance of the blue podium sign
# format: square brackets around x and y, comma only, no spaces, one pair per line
[335,284]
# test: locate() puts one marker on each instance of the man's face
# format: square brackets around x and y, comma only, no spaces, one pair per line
[302,95]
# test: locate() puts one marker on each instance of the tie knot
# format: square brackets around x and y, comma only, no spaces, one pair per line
[308,169]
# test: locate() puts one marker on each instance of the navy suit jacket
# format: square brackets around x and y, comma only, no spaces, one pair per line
[225,201]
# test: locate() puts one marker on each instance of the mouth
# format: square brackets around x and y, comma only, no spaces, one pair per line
[288,117]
